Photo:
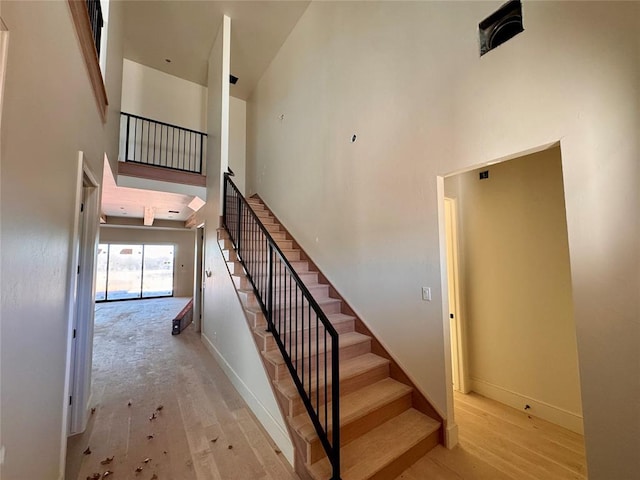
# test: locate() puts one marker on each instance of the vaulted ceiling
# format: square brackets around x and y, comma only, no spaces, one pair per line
[184,31]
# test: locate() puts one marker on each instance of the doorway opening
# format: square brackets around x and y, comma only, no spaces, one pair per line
[508,287]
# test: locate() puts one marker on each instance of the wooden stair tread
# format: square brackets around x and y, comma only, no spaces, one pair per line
[348,368]
[372,452]
[322,302]
[345,340]
[334,318]
[355,405]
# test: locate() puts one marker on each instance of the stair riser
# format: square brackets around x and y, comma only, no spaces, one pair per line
[272,227]
[350,351]
[353,430]
[256,319]
[318,292]
[300,335]
[248,299]
[284,313]
[310,279]
[241,282]
[229,255]
[235,268]
[347,386]
[290,254]
[225,244]
[408,458]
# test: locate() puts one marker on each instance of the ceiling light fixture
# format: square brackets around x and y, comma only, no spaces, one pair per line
[196,204]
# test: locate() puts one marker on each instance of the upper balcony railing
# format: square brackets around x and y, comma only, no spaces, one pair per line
[97,22]
[160,144]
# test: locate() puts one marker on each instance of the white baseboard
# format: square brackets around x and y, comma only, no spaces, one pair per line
[277,432]
[451,436]
[559,416]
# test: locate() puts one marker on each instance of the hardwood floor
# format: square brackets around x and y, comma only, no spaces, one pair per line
[500,443]
[137,359]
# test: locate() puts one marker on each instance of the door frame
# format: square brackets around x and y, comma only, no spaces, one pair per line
[81,299]
[457,330]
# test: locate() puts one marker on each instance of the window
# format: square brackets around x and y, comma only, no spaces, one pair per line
[129,271]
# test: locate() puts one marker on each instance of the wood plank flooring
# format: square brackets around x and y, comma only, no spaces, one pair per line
[497,442]
[137,359]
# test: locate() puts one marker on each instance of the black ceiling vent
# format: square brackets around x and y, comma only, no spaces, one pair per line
[502,25]
[233,79]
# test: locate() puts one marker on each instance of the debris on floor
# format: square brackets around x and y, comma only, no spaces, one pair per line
[107,461]
[87,451]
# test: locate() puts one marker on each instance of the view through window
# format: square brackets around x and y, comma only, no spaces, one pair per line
[127,271]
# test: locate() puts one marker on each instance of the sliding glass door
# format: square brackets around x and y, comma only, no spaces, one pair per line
[129,271]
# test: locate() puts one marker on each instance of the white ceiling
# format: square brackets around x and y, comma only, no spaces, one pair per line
[131,202]
[184,31]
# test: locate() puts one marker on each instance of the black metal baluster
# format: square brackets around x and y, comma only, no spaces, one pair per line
[326,418]
[270,289]
[201,153]
[126,145]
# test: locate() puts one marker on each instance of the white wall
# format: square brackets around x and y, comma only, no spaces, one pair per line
[408,80]
[516,286]
[50,113]
[238,140]
[227,335]
[183,240]
[153,94]
[113,80]
[224,328]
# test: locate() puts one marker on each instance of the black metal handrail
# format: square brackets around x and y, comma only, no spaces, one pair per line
[161,144]
[97,22]
[306,339]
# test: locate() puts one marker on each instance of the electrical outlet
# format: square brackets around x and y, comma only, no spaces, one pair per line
[426,294]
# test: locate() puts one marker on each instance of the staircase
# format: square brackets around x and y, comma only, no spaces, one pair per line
[384,422]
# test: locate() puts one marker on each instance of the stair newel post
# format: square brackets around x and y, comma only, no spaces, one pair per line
[238,248]
[224,201]
[335,408]
[270,291]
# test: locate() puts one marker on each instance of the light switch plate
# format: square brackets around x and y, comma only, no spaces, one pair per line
[426,294]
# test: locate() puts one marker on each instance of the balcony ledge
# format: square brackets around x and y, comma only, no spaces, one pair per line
[150,172]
